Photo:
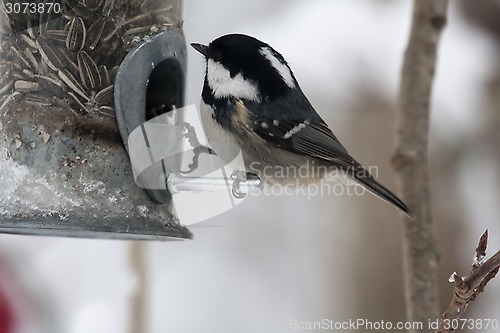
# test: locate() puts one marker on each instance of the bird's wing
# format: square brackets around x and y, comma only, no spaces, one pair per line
[312,137]
[317,140]
[307,135]
[302,137]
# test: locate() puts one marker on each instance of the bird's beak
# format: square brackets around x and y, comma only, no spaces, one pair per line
[203,49]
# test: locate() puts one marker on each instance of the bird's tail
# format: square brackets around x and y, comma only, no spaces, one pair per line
[371,185]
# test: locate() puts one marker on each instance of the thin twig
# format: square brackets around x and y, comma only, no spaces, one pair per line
[467,289]
[138,300]
[410,159]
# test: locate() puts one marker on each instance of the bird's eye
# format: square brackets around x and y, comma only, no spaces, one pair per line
[217,56]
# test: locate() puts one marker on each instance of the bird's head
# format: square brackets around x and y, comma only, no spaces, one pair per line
[242,67]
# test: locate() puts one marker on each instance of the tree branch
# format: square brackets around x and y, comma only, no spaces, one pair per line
[138,311]
[467,289]
[410,159]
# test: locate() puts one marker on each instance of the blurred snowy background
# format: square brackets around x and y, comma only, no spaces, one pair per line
[272,260]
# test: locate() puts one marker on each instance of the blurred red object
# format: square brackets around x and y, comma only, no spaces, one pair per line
[7,309]
[6,314]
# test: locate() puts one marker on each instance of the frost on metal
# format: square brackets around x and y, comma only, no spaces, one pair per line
[21,188]
[72,176]
[24,193]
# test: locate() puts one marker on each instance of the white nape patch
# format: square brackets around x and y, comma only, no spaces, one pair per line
[294,130]
[223,85]
[283,69]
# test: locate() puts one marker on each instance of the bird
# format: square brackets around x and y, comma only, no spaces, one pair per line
[251,99]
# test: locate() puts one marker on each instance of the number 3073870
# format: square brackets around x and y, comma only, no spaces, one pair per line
[32,8]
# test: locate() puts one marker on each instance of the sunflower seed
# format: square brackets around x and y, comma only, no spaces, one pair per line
[108,6]
[25,86]
[72,83]
[38,100]
[89,73]
[104,96]
[31,29]
[28,74]
[53,75]
[31,58]
[54,21]
[31,42]
[138,30]
[146,4]
[77,104]
[9,99]
[112,73]
[64,104]
[94,32]
[110,35]
[43,19]
[144,18]
[19,56]
[53,86]
[7,87]
[79,8]
[106,110]
[57,35]
[50,55]
[69,18]
[70,62]
[75,39]
[105,79]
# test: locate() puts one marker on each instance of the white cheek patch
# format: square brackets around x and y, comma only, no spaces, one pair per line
[282,68]
[223,85]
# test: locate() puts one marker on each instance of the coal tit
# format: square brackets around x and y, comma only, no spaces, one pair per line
[251,98]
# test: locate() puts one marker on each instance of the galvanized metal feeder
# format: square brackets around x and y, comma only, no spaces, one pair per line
[64,168]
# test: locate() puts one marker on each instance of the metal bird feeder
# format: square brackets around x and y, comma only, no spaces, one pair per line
[64,168]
